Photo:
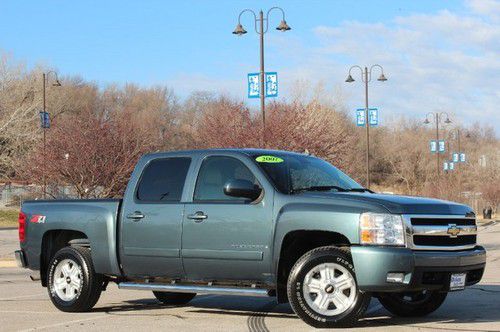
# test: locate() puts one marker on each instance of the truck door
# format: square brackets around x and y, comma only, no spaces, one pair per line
[226,237]
[151,221]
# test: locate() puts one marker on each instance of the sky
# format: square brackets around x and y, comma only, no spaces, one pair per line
[437,55]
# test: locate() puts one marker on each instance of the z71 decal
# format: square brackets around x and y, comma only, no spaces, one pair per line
[37,219]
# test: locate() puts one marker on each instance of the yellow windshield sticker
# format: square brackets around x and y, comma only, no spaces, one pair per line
[269,159]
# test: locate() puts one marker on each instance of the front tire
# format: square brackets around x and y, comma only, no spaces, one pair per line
[171,298]
[412,304]
[322,289]
[73,285]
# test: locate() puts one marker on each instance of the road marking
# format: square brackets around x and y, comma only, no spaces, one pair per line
[64,323]
[8,263]
[21,296]
[24,312]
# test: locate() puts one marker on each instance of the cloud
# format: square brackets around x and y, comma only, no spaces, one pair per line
[442,61]
[488,8]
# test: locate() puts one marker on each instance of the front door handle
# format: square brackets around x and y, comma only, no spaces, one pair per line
[197,216]
[135,216]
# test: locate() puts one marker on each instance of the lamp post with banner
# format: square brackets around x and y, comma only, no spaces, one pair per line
[262,29]
[459,155]
[45,121]
[366,77]
[437,117]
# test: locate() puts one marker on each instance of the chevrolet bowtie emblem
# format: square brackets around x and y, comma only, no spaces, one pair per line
[453,230]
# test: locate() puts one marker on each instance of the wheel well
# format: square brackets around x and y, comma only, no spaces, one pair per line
[297,243]
[55,240]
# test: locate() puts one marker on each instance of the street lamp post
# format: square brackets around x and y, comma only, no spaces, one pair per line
[261,30]
[437,118]
[457,135]
[366,77]
[45,79]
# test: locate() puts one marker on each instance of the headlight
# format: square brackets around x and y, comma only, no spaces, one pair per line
[381,229]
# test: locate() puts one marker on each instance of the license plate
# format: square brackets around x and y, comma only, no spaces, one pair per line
[457,281]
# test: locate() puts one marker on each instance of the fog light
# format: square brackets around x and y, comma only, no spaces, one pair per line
[396,278]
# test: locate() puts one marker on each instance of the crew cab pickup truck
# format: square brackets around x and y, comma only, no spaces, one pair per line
[254,223]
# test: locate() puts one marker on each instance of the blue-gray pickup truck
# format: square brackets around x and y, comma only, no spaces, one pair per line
[254,223]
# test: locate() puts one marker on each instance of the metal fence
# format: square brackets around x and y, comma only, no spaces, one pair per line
[12,195]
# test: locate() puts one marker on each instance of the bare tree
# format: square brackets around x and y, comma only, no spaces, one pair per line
[92,154]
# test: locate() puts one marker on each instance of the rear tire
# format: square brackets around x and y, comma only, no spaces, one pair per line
[323,291]
[171,298]
[412,304]
[73,284]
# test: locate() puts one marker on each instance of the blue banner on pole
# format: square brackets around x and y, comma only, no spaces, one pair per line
[271,88]
[433,146]
[372,117]
[360,117]
[455,157]
[44,119]
[253,85]
[271,84]
[462,157]
[441,146]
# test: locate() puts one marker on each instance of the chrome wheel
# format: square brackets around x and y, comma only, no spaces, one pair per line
[67,280]
[329,289]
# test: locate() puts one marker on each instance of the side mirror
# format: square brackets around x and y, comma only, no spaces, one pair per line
[242,188]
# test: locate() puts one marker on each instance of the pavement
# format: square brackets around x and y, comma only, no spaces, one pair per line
[25,306]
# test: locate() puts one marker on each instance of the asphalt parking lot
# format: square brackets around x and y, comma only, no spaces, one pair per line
[25,306]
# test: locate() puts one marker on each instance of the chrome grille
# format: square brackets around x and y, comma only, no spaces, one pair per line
[440,232]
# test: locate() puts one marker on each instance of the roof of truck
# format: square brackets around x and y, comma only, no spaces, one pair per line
[247,151]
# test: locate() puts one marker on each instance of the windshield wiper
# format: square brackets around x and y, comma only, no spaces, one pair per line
[317,188]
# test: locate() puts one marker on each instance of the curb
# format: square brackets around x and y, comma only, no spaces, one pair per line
[488,222]
[8,263]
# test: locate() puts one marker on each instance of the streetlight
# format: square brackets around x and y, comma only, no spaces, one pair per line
[366,77]
[457,135]
[259,29]
[438,118]
[45,79]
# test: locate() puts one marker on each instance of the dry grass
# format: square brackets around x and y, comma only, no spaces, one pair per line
[8,217]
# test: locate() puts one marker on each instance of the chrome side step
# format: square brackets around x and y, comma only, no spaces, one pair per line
[247,291]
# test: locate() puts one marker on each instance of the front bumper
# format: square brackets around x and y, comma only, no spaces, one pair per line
[21,258]
[422,269]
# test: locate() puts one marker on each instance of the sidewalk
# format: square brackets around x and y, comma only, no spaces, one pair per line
[9,242]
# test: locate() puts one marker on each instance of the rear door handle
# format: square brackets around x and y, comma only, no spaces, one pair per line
[197,216]
[135,216]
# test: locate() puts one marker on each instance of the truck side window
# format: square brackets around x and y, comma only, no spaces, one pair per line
[213,175]
[163,180]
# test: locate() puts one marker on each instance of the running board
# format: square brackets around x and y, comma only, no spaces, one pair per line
[247,291]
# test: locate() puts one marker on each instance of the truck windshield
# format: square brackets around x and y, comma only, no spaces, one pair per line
[292,174]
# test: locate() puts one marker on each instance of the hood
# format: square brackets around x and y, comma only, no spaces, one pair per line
[400,204]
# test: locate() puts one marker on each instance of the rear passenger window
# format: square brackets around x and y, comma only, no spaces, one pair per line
[163,180]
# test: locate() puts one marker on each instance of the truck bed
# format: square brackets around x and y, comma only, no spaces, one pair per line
[96,219]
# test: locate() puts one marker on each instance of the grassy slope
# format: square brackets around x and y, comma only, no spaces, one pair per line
[8,217]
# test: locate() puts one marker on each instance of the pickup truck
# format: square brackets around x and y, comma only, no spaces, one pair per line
[253,222]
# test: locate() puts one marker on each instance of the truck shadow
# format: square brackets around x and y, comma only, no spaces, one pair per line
[478,304]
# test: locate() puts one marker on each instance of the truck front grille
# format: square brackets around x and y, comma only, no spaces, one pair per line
[440,232]
[443,221]
[443,241]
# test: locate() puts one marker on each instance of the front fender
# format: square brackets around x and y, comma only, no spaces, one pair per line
[339,216]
